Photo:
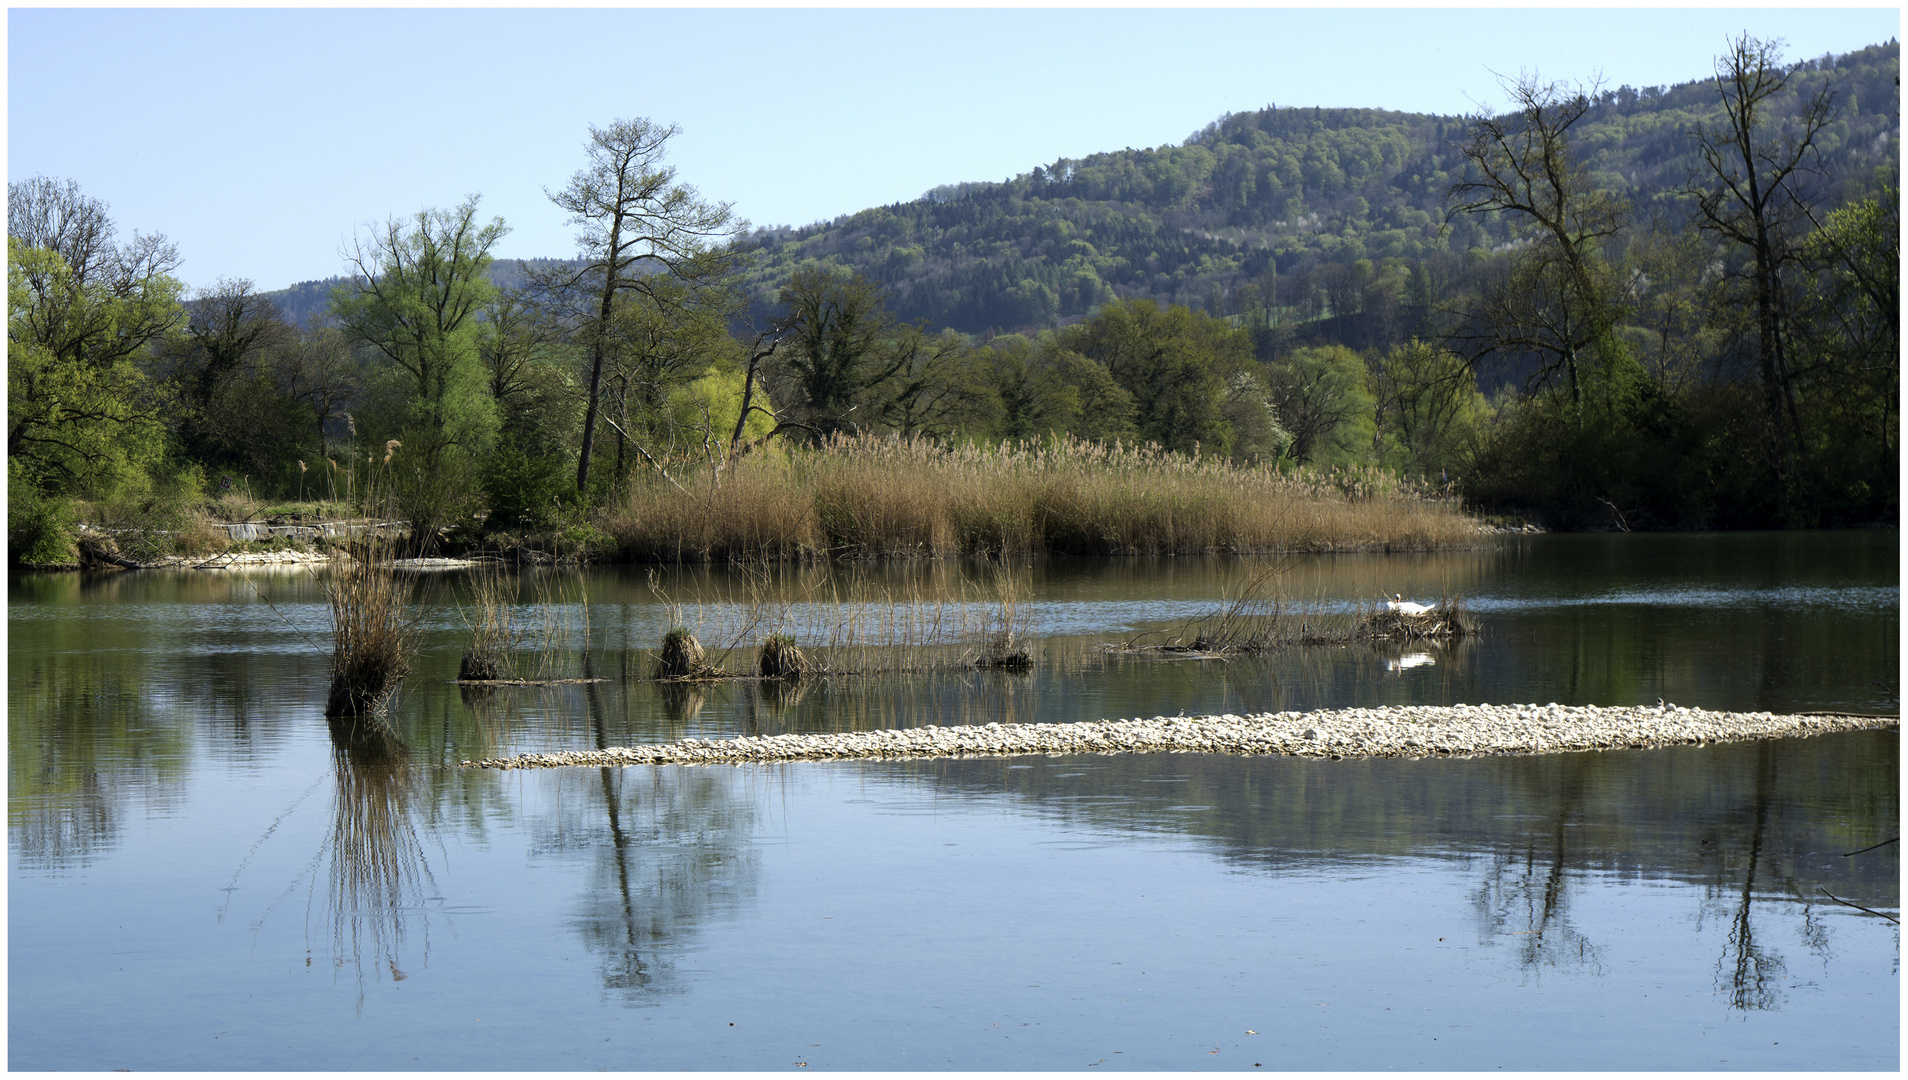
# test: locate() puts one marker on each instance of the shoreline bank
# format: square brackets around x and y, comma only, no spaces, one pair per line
[1416,731]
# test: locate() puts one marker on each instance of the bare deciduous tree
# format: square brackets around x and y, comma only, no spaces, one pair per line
[639,228]
[1750,193]
[1562,299]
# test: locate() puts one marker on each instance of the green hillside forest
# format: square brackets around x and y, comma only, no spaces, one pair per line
[1667,308]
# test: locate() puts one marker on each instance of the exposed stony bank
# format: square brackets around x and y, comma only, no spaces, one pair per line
[1411,731]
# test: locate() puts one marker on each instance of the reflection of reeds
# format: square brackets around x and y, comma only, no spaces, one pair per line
[682,702]
[378,872]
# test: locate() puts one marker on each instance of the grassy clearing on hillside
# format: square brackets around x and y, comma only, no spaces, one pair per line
[899,498]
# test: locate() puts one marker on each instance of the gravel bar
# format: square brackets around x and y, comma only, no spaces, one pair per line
[1411,731]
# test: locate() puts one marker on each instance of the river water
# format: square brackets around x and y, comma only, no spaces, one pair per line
[202,875]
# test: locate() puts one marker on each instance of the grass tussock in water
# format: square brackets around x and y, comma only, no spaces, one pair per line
[370,620]
[682,657]
[491,619]
[370,650]
[838,626]
[781,658]
[887,497]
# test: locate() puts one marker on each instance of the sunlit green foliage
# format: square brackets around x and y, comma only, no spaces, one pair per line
[1321,397]
[416,303]
[1430,417]
[80,413]
[1181,370]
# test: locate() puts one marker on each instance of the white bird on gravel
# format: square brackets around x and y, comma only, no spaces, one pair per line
[1400,606]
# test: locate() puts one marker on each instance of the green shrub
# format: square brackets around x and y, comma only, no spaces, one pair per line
[39,527]
[524,489]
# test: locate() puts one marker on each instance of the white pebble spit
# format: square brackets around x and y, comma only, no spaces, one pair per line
[1414,731]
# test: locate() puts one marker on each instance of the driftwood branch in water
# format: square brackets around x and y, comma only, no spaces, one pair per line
[1857,907]
[1871,847]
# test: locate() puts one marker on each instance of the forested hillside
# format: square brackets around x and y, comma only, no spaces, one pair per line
[1285,194]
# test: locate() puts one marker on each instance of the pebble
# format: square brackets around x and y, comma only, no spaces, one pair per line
[1414,731]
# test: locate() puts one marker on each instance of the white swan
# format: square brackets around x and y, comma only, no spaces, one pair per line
[1399,605]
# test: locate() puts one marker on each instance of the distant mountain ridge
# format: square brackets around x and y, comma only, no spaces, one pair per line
[1258,194]
[301,301]
[1254,196]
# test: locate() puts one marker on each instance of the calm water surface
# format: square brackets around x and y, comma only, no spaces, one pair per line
[202,875]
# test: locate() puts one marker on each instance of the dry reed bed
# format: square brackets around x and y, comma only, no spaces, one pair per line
[1412,731]
[875,497]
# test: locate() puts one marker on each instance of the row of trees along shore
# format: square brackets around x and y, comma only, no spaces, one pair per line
[1730,364]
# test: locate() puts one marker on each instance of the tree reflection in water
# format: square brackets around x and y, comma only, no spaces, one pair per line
[1526,894]
[1749,972]
[1755,830]
[378,876]
[672,850]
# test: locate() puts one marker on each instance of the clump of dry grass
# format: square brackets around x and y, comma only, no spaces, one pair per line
[1005,625]
[781,658]
[682,657]
[493,633]
[891,497]
[371,626]
[370,650]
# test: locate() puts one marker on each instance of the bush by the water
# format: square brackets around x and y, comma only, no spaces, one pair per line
[898,497]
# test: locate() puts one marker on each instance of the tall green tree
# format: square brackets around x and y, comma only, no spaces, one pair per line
[938,389]
[320,370]
[841,346]
[659,343]
[414,302]
[1321,396]
[229,411]
[1847,349]
[83,312]
[1428,407]
[1177,365]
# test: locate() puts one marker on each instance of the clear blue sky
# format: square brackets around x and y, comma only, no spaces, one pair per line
[259,140]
